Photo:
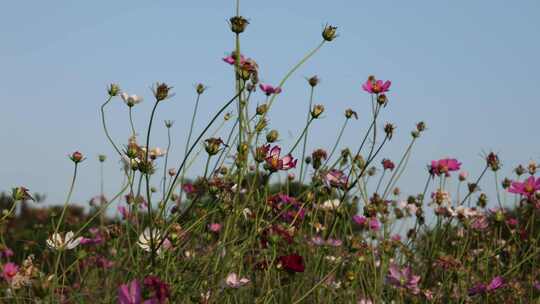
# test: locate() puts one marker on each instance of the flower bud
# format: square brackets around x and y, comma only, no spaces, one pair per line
[76,157]
[350,113]
[493,161]
[261,109]
[313,81]
[272,136]
[520,170]
[21,194]
[200,88]
[389,130]
[506,183]
[463,176]
[113,89]
[382,100]
[169,123]
[238,24]
[318,156]
[261,124]
[421,126]
[317,111]
[532,168]
[227,116]
[102,158]
[329,33]
[261,152]
[172,172]
[482,200]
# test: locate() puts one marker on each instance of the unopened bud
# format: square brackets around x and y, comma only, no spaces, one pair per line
[313,81]
[350,113]
[161,91]
[317,111]
[200,88]
[238,24]
[102,158]
[272,136]
[329,33]
[76,157]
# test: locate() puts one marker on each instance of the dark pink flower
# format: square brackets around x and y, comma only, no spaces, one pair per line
[496,283]
[444,166]
[188,188]
[360,220]
[374,86]
[6,252]
[336,178]
[231,59]
[269,90]
[9,270]
[161,289]
[292,262]
[374,224]
[388,164]
[403,278]
[123,211]
[275,163]
[526,188]
[130,293]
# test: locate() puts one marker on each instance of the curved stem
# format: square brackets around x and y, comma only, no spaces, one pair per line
[105,126]
[301,135]
[301,179]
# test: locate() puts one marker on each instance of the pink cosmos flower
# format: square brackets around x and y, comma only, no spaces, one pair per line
[336,178]
[6,252]
[189,188]
[481,288]
[160,289]
[403,278]
[275,163]
[231,59]
[526,188]
[374,86]
[269,90]
[214,227]
[234,281]
[9,270]
[444,166]
[360,220]
[374,224]
[123,211]
[130,293]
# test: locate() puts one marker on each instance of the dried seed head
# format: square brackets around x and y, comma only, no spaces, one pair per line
[389,130]
[238,24]
[161,91]
[350,113]
[329,33]
[317,111]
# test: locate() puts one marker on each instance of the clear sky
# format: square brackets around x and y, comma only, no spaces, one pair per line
[468,68]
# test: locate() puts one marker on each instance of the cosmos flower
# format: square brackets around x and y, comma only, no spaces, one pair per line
[374,86]
[59,242]
[234,281]
[131,100]
[269,90]
[9,270]
[275,163]
[403,278]
[444,166]
[335,178]
[292,262]
[526,188]
[146,238]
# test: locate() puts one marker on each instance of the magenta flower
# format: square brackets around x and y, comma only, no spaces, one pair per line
[130,293]
[6,252]
[360,220]
[9,270]
[160,289]
[388,164]
[123,211]
[374,86]
[374,224]
[231,59]
[275,163]
[269,90]
[444,166]
[336,178]
[526,188]
[403,278]
[481,288]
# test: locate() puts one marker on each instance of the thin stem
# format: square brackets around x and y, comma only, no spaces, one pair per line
[105,126]
[301,135]
[306,135]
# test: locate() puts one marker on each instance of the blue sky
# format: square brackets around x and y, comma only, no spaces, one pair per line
[468,68]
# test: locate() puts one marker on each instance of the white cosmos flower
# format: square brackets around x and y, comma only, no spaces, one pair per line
[59,242]
[330,204]
[146,238]
[131,100]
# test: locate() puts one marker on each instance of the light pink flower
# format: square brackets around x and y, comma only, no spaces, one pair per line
[403,278]
[275,163]
[231,59]
[234,281]
[214,227]
[130,293]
